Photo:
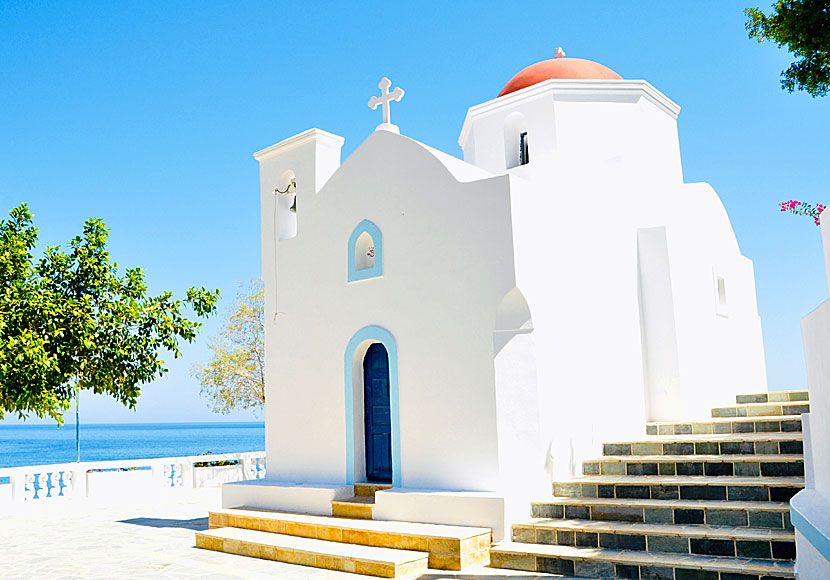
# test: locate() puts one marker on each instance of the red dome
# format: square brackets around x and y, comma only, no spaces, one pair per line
[558,68]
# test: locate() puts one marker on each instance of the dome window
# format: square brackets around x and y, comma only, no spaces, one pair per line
[516,144]
[524,152]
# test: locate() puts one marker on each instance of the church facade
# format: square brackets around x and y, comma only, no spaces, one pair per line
[468,329]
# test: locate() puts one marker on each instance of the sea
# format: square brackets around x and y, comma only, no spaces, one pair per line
[22,445]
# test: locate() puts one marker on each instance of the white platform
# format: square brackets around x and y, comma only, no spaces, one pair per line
[308,498]
[458,508]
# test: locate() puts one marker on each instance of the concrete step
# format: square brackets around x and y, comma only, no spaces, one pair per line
[608,563]
[725,425]
[359,507]
[732,444]
[715,465]
[761,409]
[756,514]
[773,397]
[372,561]
[703,540]
[449,547]
[776,489]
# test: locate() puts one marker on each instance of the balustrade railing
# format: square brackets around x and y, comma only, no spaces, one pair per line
[128,476]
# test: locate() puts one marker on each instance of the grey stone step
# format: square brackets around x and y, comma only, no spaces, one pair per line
[715,465]
[776,489]
[754,514]
[372,561]
[732,444]
[725,425]
[703,540]
[608,563]
[773,397]
[762,409]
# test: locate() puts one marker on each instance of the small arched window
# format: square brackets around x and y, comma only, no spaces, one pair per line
[365,252]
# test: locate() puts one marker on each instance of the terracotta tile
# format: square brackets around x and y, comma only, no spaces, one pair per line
[445,561]
[300,529]
[383,540]
[444,547]
[356,537]
[416,543]
[411,568]
[329,533]
[375,569]
[209,543]
[475,559]
[513,561]
[330,562]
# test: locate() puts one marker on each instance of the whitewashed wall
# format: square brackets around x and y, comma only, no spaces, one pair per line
[447,265]
[520,300]
[605,171]
[811,507]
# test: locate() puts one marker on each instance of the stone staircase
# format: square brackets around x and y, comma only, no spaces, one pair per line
[347,541]
[690,501]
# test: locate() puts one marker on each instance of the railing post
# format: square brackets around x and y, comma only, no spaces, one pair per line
[79,488]
[187,473]
[157,469]
[18,482]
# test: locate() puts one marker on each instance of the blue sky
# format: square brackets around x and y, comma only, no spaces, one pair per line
[147,114]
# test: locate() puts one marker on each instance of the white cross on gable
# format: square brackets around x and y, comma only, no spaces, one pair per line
[384,100]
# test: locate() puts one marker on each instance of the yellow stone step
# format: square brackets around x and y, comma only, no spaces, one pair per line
[371,561]
[369,489]
[359,507]
[449,547]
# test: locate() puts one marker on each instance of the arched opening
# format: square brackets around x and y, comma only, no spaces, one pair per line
[516,141]
[286,205]
[368,351]
[364,252]
[512,318]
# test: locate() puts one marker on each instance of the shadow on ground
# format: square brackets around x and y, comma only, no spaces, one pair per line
[194,524]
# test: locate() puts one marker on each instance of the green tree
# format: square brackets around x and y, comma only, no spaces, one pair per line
[804,27]
[235,376]
[69,321]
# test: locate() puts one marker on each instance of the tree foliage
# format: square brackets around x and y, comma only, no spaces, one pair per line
[70,321]
[804,27]
[235,376]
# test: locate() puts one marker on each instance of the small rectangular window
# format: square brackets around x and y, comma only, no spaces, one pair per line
[524,152]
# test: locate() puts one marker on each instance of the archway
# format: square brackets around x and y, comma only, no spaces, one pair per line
[355,355]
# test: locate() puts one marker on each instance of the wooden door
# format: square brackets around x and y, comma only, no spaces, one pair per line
[377,414]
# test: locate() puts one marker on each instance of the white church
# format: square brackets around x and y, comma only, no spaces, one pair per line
[466,330]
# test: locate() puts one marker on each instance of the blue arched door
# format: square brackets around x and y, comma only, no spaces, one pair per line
[377,414]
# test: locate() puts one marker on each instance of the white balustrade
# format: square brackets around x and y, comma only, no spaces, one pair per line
[126,477]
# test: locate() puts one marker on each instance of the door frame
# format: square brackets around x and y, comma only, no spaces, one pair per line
[353,373]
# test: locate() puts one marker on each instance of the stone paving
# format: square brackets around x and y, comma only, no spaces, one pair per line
[146,538]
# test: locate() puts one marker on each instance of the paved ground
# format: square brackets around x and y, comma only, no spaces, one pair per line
[147,538]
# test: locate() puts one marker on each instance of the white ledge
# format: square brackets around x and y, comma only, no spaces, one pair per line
[563,89]
[810,515]
[299,140]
